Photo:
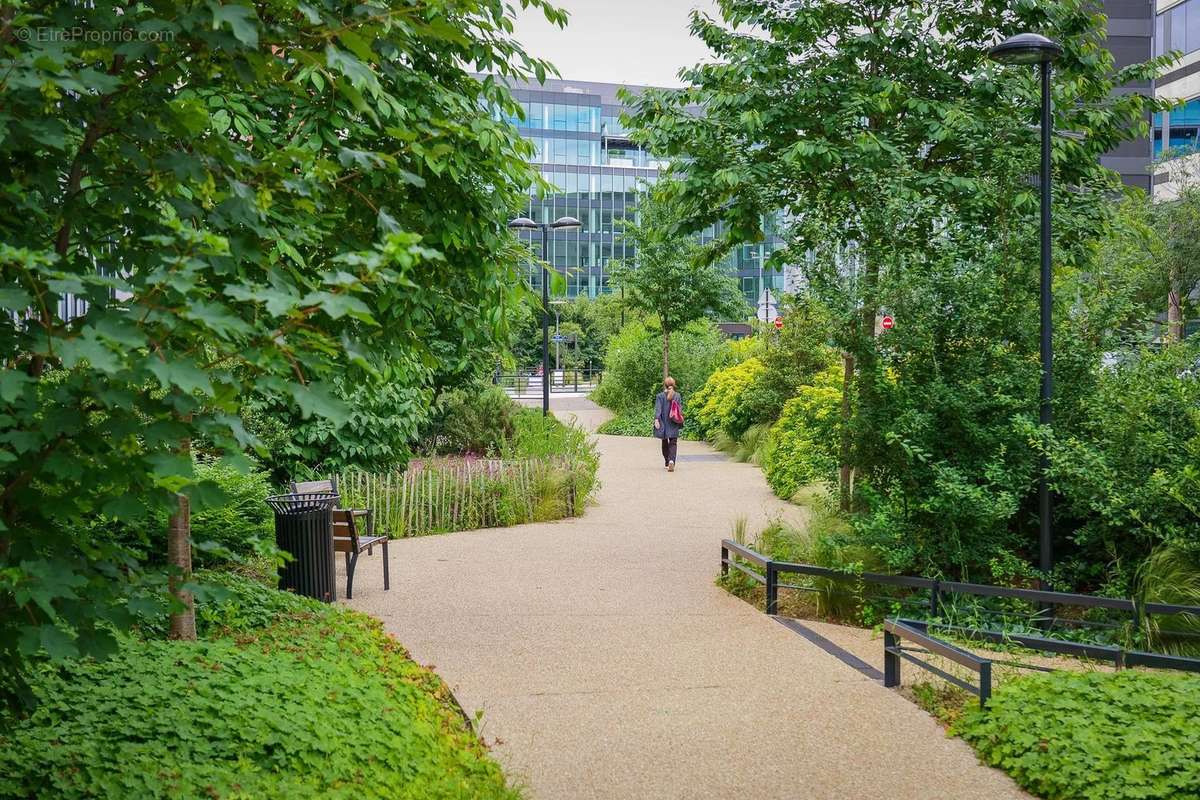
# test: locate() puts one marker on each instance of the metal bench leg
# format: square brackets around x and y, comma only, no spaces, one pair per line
[386,584]
[351,562]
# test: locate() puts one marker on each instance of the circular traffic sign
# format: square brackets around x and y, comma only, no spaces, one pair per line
[779,323]
[888,323]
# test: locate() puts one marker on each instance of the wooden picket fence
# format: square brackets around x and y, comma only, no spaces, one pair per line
[454,494]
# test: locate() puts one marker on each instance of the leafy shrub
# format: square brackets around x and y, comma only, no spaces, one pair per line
[721,404]
[802,446]
[1093,735]
[633,363]
[306,700]
[1127,464]
[639,421]
[476,419]
[239,524]
[384,417]
[230,517]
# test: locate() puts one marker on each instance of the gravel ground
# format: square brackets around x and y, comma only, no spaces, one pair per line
[606,663]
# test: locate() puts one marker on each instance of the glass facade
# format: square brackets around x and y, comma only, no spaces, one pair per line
[1180,125]
[1178,28]
[599,176]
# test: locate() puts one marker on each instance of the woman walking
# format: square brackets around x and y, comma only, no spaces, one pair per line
[668,420]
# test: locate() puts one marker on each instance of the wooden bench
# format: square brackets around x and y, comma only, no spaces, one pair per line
[347,540]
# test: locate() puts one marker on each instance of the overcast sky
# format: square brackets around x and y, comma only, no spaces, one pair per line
[617,41]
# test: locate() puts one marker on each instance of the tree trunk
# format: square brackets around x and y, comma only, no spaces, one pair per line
[666,352]
[1174,309]
[179,557]
[844,473]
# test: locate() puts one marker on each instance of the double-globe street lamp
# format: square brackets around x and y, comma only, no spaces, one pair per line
[560,224]
[1033,48]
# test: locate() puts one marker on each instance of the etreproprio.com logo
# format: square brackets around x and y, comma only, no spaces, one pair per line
[92,35]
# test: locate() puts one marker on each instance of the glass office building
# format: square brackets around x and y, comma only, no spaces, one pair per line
[599,176]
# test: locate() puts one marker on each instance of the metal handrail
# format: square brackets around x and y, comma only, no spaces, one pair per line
[896,630]
[940,587]
[732,551]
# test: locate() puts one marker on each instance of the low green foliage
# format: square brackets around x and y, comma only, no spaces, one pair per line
[1094,736]
[288,698]
[722,404]
[1170,575]
[802,446]
[640,422]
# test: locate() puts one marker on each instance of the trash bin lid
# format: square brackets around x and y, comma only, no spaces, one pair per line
[302,502]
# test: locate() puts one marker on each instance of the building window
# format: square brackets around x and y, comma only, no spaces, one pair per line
[1178,28]
[1182,124]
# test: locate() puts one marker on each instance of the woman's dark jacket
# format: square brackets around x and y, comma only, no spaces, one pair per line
[662,408]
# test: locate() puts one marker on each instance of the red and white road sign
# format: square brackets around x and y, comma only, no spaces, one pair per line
[779,323]
[888,323]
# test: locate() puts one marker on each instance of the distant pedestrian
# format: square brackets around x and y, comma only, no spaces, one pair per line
[668,421]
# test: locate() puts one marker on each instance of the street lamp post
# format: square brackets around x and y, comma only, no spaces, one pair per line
[1033,48]
[560,224]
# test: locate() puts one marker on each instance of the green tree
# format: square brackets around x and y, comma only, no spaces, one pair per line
[902,155]
[252,200]
[670,279]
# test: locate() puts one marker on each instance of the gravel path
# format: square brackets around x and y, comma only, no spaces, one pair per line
[607,664]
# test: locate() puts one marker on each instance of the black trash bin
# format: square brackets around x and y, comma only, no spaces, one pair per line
[303,527]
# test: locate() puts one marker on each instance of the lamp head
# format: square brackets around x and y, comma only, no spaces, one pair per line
[566,224]
[523,224]
[1026,48]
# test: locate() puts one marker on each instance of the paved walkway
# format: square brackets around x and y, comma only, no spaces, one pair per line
[607,664]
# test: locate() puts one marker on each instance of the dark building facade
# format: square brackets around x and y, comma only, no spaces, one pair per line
[599,175]
[1131,41]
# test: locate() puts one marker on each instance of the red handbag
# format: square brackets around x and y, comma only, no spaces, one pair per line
[676,413]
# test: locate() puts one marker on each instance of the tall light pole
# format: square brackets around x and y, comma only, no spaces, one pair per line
[1033,48]
[560,224]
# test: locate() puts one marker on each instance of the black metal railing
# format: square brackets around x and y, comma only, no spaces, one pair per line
[744,559]
[529,383]
[938,590]
[895,631]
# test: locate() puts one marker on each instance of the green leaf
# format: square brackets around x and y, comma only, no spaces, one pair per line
[242,20]
[317,400]
[183,375]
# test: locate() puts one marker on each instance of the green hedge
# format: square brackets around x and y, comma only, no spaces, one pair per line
[722,404]
[1094,736]
[288,698]
[633,363]
[802,446]
[640,422]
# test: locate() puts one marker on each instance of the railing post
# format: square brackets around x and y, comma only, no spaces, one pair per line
[985,683]
[772,589]
[935,600]
[724,560]
[891,659]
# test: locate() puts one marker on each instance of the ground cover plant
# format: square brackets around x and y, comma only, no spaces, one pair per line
[1128,735]
[282,697]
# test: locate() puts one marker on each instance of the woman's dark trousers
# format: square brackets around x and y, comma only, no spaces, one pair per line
[669,448]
